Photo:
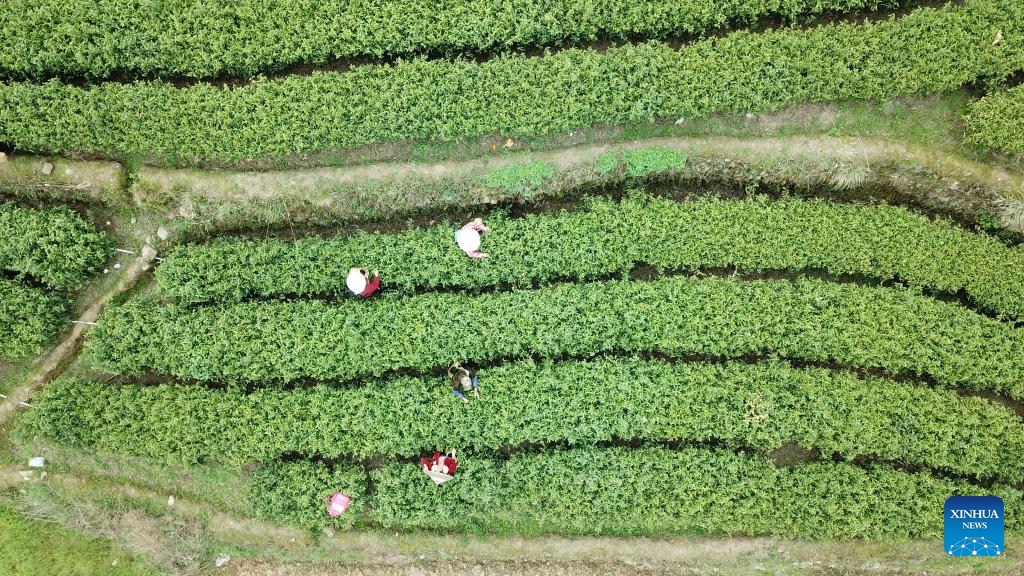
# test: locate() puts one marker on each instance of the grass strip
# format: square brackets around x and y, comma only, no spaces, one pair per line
[31,548]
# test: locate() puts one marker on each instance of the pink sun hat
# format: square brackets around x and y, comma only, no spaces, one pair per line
[338,504]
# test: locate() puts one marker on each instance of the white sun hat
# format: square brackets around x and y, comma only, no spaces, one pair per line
[468,239]
[355,281]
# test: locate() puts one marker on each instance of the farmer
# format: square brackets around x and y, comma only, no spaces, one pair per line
[468,238]
[441,464]
[337,504]
[461,378]
[359,282]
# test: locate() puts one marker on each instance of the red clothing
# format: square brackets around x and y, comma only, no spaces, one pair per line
[371,287]
[448,461]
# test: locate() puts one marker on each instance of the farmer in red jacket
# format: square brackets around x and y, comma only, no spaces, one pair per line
[445,464]
[359,282]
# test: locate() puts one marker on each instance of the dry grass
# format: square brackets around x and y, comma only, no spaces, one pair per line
[73,180]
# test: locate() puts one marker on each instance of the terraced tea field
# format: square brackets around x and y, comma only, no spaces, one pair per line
[797,343]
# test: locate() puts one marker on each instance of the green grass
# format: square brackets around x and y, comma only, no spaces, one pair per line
[645,161]
[520,179]
[31,548]
[934,121]
[220,487]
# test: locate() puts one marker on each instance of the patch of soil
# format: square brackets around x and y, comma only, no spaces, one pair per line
[791,455]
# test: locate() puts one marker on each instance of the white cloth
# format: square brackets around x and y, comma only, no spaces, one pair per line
[355,281]
[468,239]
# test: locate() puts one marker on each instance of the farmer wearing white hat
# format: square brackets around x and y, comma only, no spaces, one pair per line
[468,238]
[360,284]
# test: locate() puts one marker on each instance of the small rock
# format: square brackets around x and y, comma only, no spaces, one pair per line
[47,168]
[162,233]
[37,462]
[42,475]
[329,532]
[25,474]
[117,266]
[3,157]
[106,270]
[680,120]
[148,252]
[108,222]
[114,563]
[748,115]
[221,560]
[170,500]
[134,220]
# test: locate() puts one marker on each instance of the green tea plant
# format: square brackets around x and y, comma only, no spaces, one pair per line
[926,51]
[761,406]
[855,326]
[54,245]
[176,37]
[754,235]
[29,317]
[995,121]
[295,492]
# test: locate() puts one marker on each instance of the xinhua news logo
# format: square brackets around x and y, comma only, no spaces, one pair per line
[974,526]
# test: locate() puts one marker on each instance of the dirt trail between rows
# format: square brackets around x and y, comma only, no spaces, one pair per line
[941,179]
[266,185]
[57,358]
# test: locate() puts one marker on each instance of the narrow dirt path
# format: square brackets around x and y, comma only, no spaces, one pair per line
[57,358]
[938,178]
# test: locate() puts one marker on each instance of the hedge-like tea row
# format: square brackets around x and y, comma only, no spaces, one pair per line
[764,406]
[756,234]
[925,51]
[55,245]
[809,319]
[997,121]
[29,317]
[642,492]
[294,492]
[179,37]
